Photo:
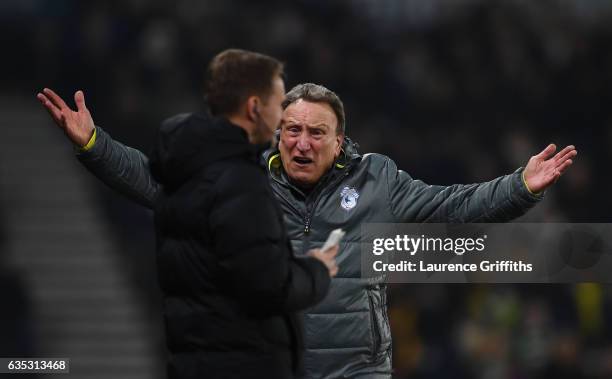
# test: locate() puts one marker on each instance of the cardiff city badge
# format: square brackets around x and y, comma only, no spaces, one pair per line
[348,198]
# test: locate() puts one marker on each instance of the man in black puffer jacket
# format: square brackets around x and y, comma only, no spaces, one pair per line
[230,281]
[224,261]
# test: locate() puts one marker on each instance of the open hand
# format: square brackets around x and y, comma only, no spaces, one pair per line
[79,125]
[542,171]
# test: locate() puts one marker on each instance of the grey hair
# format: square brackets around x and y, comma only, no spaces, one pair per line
[317,93]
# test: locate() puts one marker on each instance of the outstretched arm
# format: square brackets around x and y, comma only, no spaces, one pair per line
[124,169]
[499,200]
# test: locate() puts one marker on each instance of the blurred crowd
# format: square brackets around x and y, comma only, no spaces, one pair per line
[453,91]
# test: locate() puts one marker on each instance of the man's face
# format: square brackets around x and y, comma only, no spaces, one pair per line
[309,144]
[270,112]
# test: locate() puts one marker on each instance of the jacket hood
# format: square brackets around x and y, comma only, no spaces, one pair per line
[188,142]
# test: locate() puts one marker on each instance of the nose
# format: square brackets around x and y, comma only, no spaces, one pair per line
[303,144]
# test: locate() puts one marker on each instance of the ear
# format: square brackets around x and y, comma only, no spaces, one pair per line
[339,142]
[252,108]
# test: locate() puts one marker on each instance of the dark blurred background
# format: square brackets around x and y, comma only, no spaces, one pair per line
[455,91]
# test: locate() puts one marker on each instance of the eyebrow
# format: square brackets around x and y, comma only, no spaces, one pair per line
[319,125]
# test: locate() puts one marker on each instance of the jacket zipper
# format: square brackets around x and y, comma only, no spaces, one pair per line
[307,217]
[306,238]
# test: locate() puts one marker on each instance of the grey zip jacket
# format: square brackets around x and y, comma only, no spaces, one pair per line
[347,335]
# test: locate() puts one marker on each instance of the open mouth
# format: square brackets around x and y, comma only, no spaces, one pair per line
[302,160]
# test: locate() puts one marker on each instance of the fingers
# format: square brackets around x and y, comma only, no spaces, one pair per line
[564,166]
[556,174]
[333,251]
[569,154]
[566,150]
[79,99]
[333,272]
[331,255]
[332,267]
[563,153]
[55,99]
[55,112]
[547,152]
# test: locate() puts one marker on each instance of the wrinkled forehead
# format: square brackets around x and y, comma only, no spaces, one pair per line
[309,114]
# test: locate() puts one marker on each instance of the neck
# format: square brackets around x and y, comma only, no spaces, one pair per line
[244,125]
[306,187]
